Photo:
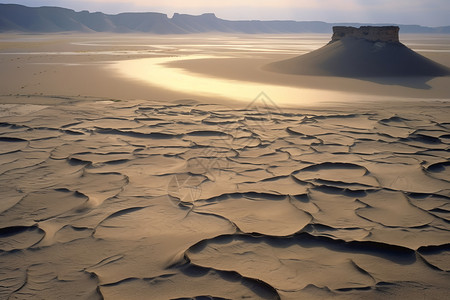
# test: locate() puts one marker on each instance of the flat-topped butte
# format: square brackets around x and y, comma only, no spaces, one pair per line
[365,52]
[371,33]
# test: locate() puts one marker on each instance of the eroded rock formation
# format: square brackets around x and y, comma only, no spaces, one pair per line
[365,52]
[370,33]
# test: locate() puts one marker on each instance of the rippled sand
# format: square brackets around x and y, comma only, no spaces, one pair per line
[131,199]
[144,199]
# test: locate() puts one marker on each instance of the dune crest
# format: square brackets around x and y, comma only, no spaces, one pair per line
[367,51]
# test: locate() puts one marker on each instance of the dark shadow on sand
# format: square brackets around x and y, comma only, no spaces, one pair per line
[420,82]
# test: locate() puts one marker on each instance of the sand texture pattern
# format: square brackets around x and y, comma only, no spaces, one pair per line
[152,200]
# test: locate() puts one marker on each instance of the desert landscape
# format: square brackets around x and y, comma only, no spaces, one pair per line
[203,166]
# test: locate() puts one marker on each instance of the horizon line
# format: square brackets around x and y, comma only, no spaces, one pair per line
[213,13]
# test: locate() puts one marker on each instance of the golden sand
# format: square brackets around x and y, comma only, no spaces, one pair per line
[115,187]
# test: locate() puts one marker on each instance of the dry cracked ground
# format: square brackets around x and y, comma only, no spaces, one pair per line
[141,199]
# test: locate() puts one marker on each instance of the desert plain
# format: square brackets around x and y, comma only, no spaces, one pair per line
[178,167]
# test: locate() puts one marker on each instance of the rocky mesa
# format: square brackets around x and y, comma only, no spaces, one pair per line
[364,52]
[370,33]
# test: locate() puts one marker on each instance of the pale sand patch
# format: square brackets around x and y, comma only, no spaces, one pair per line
[7,110]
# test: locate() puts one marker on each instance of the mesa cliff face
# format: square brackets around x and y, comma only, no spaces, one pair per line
[19,18]
[370,33]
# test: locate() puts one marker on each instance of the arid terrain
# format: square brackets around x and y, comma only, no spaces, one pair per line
[178,167]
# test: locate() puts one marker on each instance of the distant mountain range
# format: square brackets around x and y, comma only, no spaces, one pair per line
[20,18]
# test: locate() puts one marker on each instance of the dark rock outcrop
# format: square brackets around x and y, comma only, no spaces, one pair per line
[370,33]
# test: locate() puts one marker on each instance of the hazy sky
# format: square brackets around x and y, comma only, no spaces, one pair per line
[423,12]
